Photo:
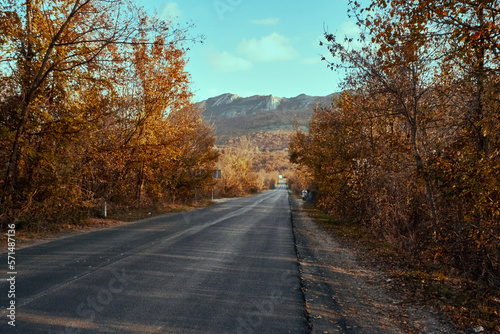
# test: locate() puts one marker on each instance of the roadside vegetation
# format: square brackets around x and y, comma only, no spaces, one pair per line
[253,163]
[96,112]
[417,281]
[410,152]
[95,108]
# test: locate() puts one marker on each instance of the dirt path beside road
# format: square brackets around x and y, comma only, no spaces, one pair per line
[343,296]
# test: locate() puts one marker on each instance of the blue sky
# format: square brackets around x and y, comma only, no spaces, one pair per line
[257,47]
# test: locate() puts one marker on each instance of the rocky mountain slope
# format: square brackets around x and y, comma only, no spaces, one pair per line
[234,116]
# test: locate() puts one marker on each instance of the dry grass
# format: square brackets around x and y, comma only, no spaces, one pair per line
[468,303]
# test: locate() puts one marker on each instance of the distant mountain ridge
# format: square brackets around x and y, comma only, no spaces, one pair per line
[231,105]
[233,116]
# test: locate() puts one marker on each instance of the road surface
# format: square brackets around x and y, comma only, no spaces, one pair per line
[229,268]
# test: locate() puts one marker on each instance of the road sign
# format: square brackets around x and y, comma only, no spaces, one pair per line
[217,174]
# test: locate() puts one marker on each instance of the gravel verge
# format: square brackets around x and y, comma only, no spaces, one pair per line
[343,296]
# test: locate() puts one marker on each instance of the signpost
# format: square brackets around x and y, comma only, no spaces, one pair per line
[217,175]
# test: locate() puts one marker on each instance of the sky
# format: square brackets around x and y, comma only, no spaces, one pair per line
[259,47]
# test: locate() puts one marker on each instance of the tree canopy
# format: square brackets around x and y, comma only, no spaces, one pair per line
[411,149]
[95,106]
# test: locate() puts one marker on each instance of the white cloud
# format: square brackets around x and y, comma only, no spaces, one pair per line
[171,11]
[349,29]
[268,21]
[273,47]
[312,60]
[227,62]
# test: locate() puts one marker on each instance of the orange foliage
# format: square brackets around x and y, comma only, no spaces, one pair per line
[253,163]
[95,106]
[411,149]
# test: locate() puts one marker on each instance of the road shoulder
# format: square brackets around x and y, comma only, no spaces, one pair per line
[343,296]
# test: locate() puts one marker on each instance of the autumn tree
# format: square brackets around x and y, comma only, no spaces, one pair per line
[253,163]
[91,103]
[465,164]
[421,102]
[238,175]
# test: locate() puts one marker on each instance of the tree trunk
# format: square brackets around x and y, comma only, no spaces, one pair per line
[12,171]
[140,186]
[482,140]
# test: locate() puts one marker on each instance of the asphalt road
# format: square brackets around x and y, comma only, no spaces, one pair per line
[229,268]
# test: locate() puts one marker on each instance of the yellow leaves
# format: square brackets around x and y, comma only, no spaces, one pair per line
[430,96]
[98,89]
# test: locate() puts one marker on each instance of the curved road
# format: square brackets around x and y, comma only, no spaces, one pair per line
[229,268]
